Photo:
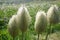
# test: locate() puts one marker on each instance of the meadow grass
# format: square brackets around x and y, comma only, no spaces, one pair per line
[6,13]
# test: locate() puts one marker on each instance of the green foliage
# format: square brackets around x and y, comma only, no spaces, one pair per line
[7,12]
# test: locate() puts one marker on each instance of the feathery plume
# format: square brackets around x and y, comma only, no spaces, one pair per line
[23,18]
[13,27]
[53,15]
[41,21]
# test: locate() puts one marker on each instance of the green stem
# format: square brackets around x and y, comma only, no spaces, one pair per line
[18,38]
[22,35]
[48,32]
[13,38]
[47,36]
[38,36]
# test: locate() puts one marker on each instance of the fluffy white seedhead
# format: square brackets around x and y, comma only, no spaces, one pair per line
[40,22]
[13,30]
[53,15]
[23,18]
[11,20]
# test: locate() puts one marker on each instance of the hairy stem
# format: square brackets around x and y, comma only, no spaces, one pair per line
[13,38]
[48,32]
[38,36]
[22,35]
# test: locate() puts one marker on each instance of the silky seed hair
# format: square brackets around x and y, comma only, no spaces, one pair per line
[23,18]
[53,15]
[40,22]
[12,27]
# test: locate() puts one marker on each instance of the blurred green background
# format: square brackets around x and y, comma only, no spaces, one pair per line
[6,12]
